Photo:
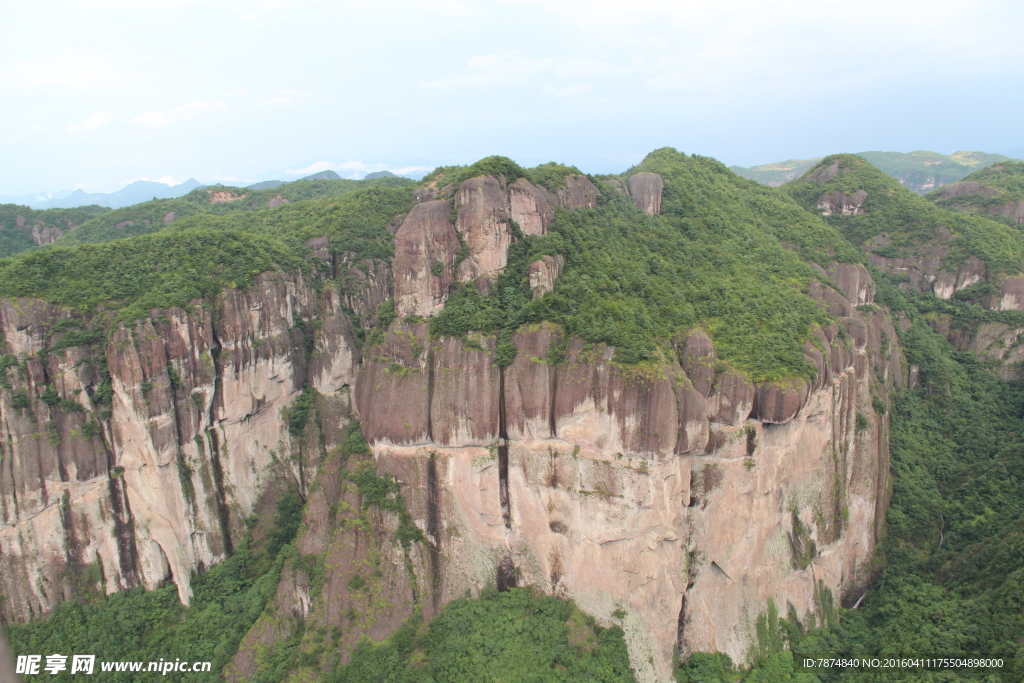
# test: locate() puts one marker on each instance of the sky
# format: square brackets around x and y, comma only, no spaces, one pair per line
[98,94]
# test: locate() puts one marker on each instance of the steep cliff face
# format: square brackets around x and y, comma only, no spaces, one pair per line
[646,189]
[136,461]
[669,492]
[673,496]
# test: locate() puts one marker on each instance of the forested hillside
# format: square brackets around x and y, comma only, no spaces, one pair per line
[638,278]
[919,171]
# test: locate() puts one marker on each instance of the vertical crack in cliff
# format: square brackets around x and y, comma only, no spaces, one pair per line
[552,394]
[506,507]
[62,468]
[434,530]
[124,532]
[223,514]
[681,626]
[430,388]
[9,460]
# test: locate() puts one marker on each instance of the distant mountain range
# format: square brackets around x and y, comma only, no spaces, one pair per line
[134,193]
[145,190]
[920,171]
[322,175]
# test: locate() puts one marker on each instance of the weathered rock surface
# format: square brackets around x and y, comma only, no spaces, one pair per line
[157,482]
[664,492]
[483,223]
[966,187]
[594,497]
[840,203]
[578,193]
[646,189]
[45,234]
[531,206]
[854,281]
[543,274]
[425,239]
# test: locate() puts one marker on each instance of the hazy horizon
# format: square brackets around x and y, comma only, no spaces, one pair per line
[242,92]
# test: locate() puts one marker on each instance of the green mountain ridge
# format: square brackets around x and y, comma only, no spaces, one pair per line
[727,254]
[920,171]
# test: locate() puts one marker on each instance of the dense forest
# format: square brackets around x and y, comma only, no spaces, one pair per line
[728,254]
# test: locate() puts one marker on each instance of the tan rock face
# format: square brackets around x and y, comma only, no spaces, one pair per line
[646,189]
[45,234]
[276,201]
[825,173]
[1012,210]
[665,492]
[966,187]
[425,239]
[543,274]
[840,203]
[157,483]
[483,223]
[855,282]
[392,391]
[531,206]
[578,193]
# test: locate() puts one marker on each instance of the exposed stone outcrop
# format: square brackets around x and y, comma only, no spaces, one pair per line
[732,399]
[543,274]
[1011,295]
[854,281]
[825,173]
[593,497]
[658,496]
[779,402]
[276,201]
[531,206]
[966,187]
[45,234]
[698,358]
[840,203]
[483,224]
[156,481]
[923,269]
[646,189]
[425,248]
[578,193]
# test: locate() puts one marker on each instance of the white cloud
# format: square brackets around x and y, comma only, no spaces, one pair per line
[165,179]
[66,70]
[100,118]
[315,167]
[566,90]
[280,100]
[511,69]
[155,118]
[352,169]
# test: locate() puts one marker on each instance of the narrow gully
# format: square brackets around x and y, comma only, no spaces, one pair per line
[223,514]
[503,496]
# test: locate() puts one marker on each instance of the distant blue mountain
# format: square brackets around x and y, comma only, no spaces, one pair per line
[139,191]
